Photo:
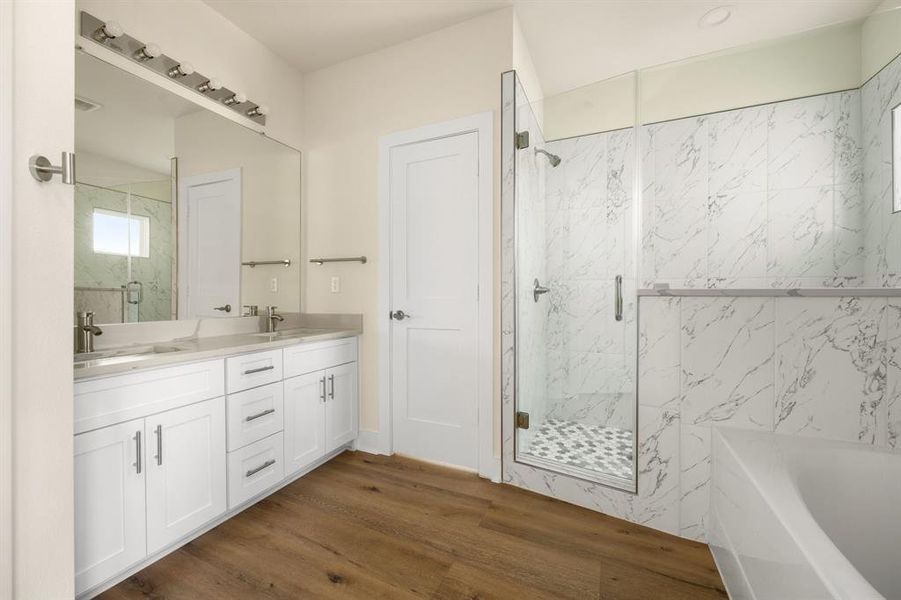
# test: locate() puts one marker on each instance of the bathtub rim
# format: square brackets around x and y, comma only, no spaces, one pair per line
[770,474]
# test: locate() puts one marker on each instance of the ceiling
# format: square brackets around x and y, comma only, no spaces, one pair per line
[572,42]
[312,34]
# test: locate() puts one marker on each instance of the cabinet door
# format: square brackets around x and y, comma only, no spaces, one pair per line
[185,471]
[110,533]
[341,406]
[304,420]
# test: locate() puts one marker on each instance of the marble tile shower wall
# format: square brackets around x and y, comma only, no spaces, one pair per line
[824,367]
[882,263]
[767,196]
[590,355]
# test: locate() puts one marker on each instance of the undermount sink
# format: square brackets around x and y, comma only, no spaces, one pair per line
[287,333]
[125,354]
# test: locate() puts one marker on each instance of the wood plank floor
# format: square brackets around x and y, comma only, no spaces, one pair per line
[364,526]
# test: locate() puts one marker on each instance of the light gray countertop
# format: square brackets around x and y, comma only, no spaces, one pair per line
[138,357]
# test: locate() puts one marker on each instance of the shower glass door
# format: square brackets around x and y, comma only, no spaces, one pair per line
[575,305]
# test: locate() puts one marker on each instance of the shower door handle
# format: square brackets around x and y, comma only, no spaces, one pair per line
[618,299]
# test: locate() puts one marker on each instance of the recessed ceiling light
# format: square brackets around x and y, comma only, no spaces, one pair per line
[715,16]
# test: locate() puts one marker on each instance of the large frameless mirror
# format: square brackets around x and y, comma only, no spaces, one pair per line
[179,212]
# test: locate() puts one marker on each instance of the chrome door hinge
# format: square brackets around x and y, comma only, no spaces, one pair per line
[522,420]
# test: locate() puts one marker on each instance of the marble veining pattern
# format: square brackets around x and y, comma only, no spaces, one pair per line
[792,194]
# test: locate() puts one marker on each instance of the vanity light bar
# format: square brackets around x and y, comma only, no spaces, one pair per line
[111,35]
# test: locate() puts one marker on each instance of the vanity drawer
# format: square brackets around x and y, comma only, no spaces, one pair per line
[255,468]
[253,370]
[110,400]
[309,358]
[254,414]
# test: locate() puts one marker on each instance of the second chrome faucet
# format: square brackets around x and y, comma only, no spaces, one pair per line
[272,318]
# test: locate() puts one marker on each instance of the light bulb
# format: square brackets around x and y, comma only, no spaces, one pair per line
[147,52]
[110,30]
[182,70]
[237,98]
[259,111]
[210,86]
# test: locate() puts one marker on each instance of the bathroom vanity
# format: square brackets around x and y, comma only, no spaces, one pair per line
[175,442]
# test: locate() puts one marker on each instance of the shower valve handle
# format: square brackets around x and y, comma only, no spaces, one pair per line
[538,290]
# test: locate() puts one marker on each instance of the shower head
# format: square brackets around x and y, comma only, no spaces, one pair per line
[552,158]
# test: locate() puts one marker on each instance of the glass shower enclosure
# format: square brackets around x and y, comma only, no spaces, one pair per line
[575,224]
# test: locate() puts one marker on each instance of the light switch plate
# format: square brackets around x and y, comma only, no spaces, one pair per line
[273,284]
[336,285]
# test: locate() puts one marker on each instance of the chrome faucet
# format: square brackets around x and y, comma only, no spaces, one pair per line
[85,331]
[271,318]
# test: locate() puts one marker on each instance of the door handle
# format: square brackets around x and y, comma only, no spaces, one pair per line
[227,308]
[138,452]
[322,392]
[41,169]
[331,381]
[159,445]
[398,315]
[618,300]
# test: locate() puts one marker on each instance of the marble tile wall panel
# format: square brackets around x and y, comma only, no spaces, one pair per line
[763,196]
[830,368]
[882,237]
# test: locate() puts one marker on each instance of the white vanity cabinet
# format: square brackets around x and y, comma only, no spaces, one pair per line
[143,484]
[185,472]
[321,412]
[109,502]
[163,454]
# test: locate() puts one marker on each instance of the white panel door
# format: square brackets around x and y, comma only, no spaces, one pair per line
[110,532]
[341,406]
[210,244]
[434,281]
[185,471]
[305,398]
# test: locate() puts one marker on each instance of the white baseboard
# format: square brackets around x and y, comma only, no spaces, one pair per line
[492,470]
[371,442]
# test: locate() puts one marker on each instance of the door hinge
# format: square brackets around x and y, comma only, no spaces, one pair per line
[522,140]
[522,420]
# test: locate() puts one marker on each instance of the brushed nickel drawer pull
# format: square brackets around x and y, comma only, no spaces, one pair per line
[259,370]
[138,452]
[322,392]
[159,445]
[331,392]
[265,465]
[268,411]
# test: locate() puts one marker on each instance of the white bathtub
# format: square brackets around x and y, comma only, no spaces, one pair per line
[794,518]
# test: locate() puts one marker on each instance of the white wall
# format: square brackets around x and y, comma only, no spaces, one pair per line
[525,71]
[41,300]
[190,30]
[440,76]
[880,38]
[270,200]
[602,106]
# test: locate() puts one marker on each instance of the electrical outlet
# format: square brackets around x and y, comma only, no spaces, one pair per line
[336,285]
[273,284]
